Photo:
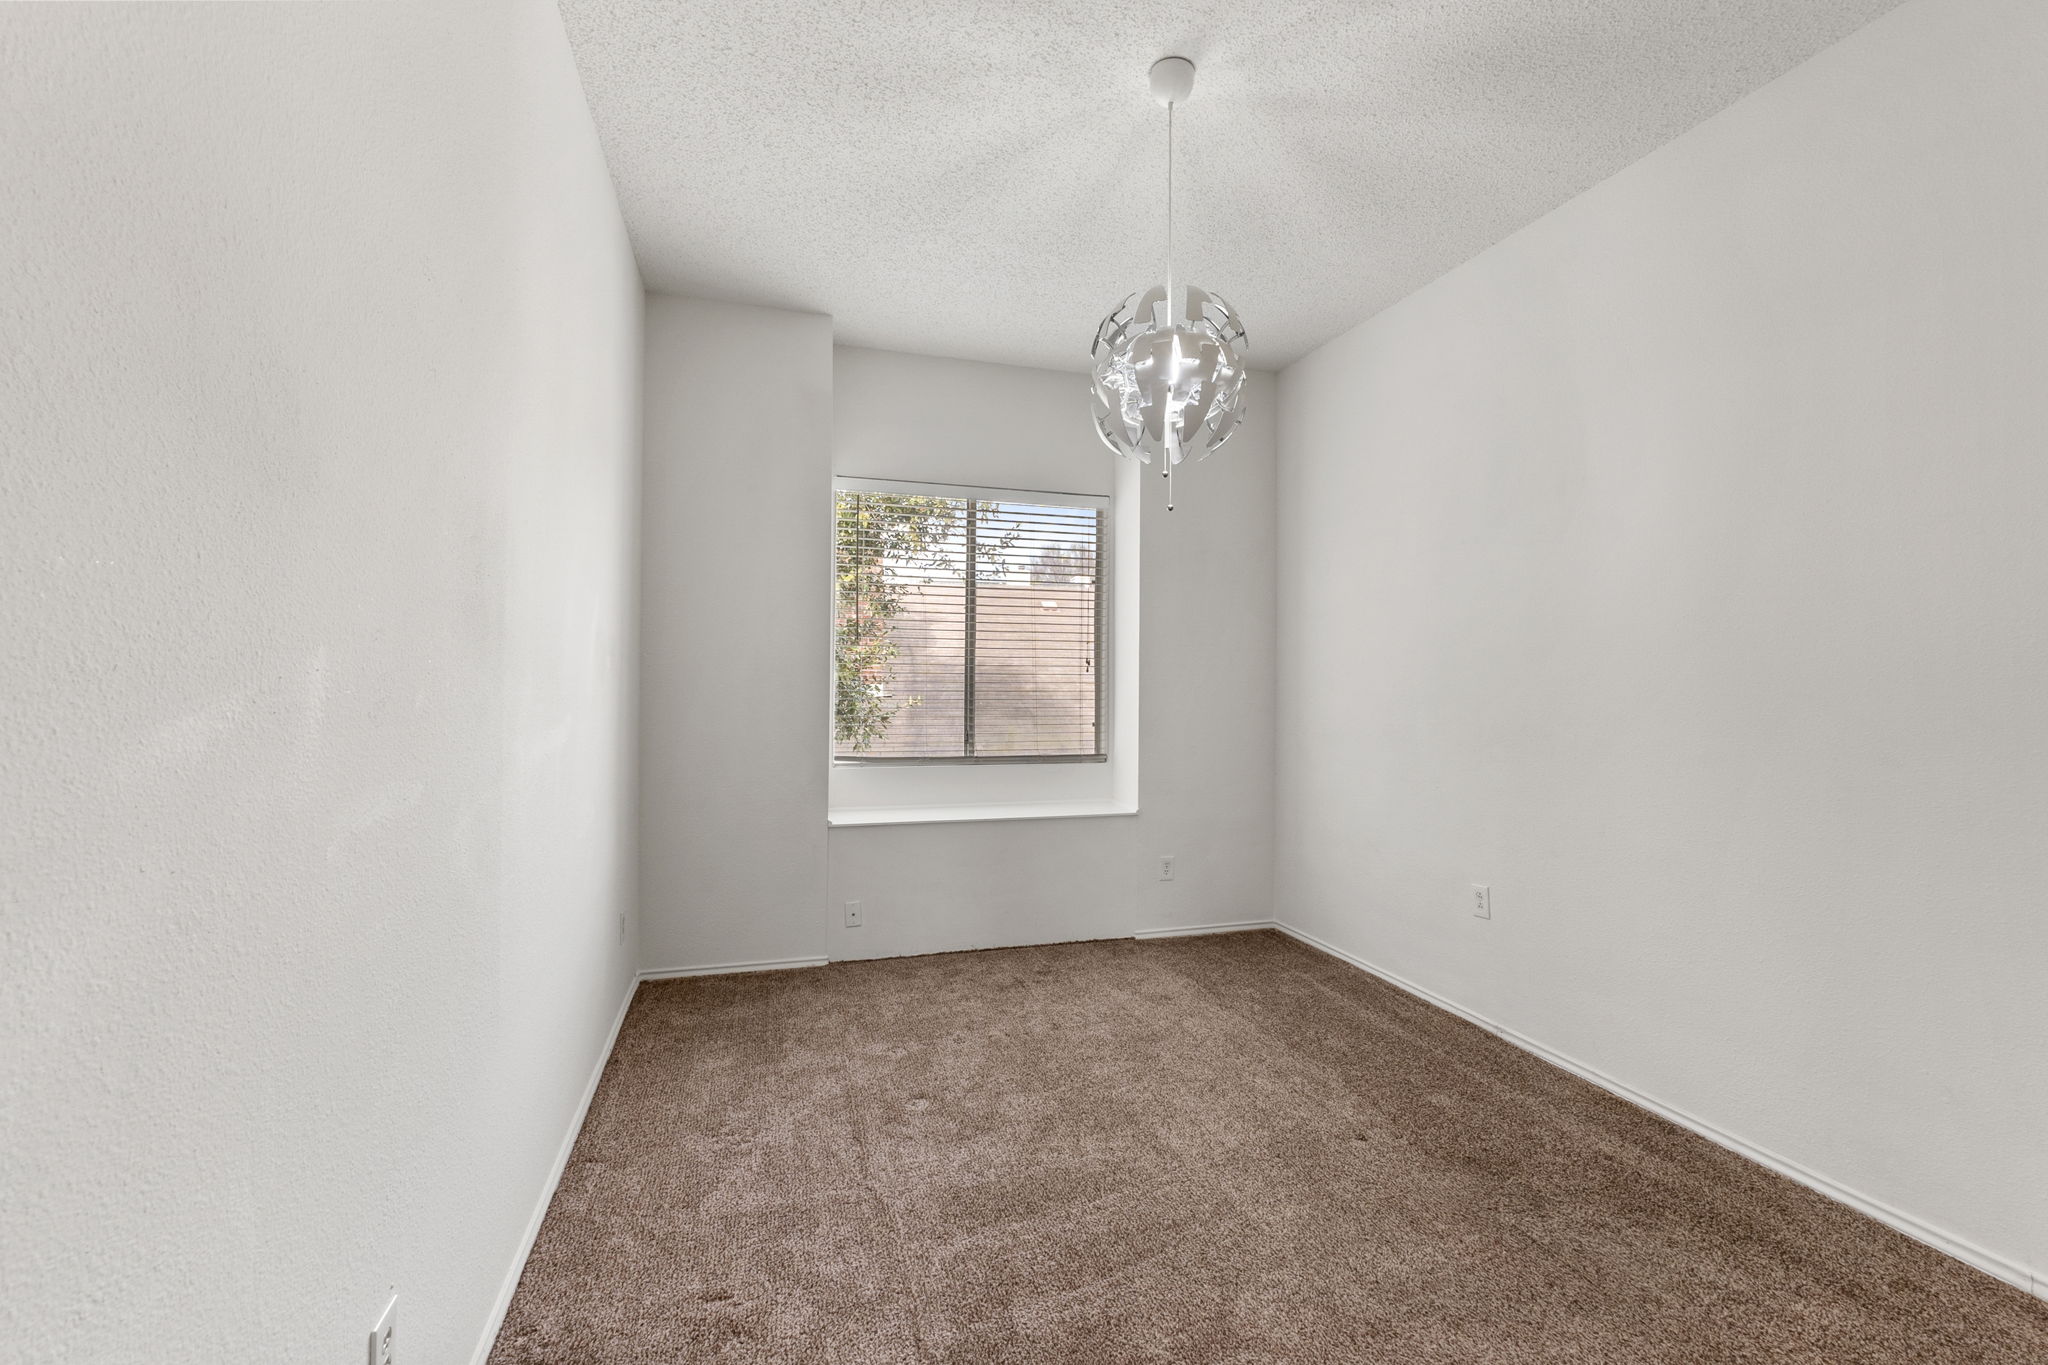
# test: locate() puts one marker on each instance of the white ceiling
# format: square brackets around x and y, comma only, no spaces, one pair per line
[984,178]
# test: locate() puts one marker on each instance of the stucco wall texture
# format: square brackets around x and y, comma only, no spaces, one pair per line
[318,432]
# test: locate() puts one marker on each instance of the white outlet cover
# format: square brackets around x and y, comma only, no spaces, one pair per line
[1482,901]
[384,1336]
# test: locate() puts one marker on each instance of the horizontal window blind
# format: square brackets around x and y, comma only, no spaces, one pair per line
[968,628]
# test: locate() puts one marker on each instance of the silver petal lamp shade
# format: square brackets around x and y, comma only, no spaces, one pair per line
[1169,375]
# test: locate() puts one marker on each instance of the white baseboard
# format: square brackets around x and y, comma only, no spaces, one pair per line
[725,968]
[547,1191]
[1998,1267]
[1187,931]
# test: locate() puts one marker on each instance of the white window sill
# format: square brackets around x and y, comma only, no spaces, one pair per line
[950,815]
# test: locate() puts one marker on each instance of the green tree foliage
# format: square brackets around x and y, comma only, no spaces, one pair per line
[882,540]
[874,530]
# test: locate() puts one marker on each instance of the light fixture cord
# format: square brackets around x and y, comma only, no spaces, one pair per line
[1169,205]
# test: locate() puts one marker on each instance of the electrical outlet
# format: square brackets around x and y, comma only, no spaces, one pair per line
[853,914]
[1166,868]
[1482,901]
[383,1337]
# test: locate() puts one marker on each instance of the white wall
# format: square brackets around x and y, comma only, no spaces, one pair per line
[749,408]
[1676,567]
[736,633]
[318,404]
[924,419]
[1205,675]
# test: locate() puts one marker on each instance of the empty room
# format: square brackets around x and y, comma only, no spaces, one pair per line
[1027,683]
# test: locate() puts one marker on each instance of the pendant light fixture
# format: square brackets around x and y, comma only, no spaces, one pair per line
[1169,361]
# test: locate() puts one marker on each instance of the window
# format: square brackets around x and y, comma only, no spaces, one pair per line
[968,625]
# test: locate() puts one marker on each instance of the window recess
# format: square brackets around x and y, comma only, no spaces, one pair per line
[968,625]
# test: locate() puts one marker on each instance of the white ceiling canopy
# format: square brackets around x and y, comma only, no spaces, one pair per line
[982,179]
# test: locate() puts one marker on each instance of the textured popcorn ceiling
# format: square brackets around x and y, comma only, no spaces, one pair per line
[985,179]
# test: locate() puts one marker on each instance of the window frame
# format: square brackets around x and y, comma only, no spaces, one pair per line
[1105,653]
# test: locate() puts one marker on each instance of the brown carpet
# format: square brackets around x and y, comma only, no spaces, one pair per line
[1196,1150]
